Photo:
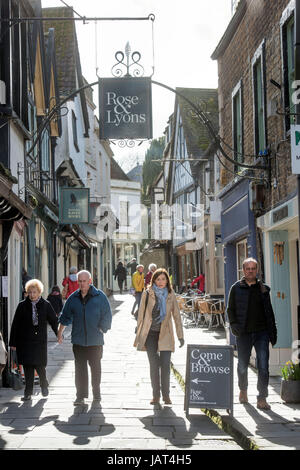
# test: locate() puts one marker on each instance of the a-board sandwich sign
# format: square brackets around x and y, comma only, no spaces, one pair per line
[125,108]
[209,377]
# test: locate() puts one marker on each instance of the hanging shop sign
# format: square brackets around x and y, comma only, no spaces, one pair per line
[74,206]
[125,108]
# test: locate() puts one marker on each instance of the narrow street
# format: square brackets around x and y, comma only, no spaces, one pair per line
[125,420]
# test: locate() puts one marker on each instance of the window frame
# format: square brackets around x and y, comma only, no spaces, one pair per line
[287,20]
[237,115]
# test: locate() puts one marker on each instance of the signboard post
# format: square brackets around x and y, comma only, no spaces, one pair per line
[125,108]
[295,148]
[209,377]
[74,205]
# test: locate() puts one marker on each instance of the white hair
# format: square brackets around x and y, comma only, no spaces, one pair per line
[152,265]
[73,270]
[83,271]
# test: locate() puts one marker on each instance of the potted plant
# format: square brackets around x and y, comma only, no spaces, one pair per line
[290,383]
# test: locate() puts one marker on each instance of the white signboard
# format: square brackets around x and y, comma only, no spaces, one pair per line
[295,148]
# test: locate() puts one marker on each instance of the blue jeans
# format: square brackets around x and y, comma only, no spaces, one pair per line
[260,342]
[138,298]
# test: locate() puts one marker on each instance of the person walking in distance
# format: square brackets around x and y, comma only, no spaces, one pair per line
[138,285]
[155,332]
[252,321]
[70,283]
[120,274]
[89,312]
[151,268]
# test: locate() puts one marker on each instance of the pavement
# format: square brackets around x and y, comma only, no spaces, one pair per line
[126,420]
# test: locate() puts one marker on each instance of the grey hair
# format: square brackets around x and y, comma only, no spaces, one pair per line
[250,260]
[152,265]
[83,271]
[73,270]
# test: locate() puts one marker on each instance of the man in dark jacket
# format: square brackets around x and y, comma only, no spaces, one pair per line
[88,310]
[252,321]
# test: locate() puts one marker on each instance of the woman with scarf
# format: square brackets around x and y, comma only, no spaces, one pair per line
[28,335]
[155,332]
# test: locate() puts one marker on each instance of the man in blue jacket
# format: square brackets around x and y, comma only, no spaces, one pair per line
[89,312]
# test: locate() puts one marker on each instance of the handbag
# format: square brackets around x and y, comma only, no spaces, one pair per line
[132,291]
[15,379]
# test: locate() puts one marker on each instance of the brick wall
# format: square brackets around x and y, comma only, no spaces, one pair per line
[260,22]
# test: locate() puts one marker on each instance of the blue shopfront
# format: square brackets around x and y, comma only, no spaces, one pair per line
[238,234]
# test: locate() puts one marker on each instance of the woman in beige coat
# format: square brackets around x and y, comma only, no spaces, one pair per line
[155,331]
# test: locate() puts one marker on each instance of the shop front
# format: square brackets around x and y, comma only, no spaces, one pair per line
[238,233]
[281,239]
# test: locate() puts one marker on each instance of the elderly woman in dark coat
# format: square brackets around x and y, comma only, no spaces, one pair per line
[29,335]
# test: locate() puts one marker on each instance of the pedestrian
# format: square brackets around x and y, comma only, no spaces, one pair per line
[3,355]
[25,278]
[121,274]
[133,266]
[155,332]
[55,299]
[88,310]
[138,285]
[151,268]
[70,283]
[28,336]
[200,280]
[252,321]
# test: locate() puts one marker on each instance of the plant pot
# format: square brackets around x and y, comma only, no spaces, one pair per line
[290,391]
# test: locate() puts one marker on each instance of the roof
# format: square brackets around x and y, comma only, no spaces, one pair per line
[116,171]
[136,174]
[195,132]
[67,56]
[230,30]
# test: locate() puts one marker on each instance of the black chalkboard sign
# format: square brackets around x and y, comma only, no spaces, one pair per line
[209,377]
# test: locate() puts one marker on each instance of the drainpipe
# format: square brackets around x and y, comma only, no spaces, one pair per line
[297,77]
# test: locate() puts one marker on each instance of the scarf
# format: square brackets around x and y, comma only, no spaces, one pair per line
[161,295]
[35,318]
[73,277]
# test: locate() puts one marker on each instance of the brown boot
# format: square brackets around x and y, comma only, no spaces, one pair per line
[243,396]
[154,401]
[262,404]
[167,401]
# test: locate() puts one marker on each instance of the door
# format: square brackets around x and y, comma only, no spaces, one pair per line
[280,287]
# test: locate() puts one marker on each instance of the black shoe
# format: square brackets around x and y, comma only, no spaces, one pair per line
[96,403]
[79,402]
[26,398]
[45,391]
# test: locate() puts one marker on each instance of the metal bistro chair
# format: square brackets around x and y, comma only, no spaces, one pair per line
[204,311]
[217,312]
[187,311]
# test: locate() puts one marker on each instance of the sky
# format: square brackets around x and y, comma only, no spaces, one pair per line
[176,48]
